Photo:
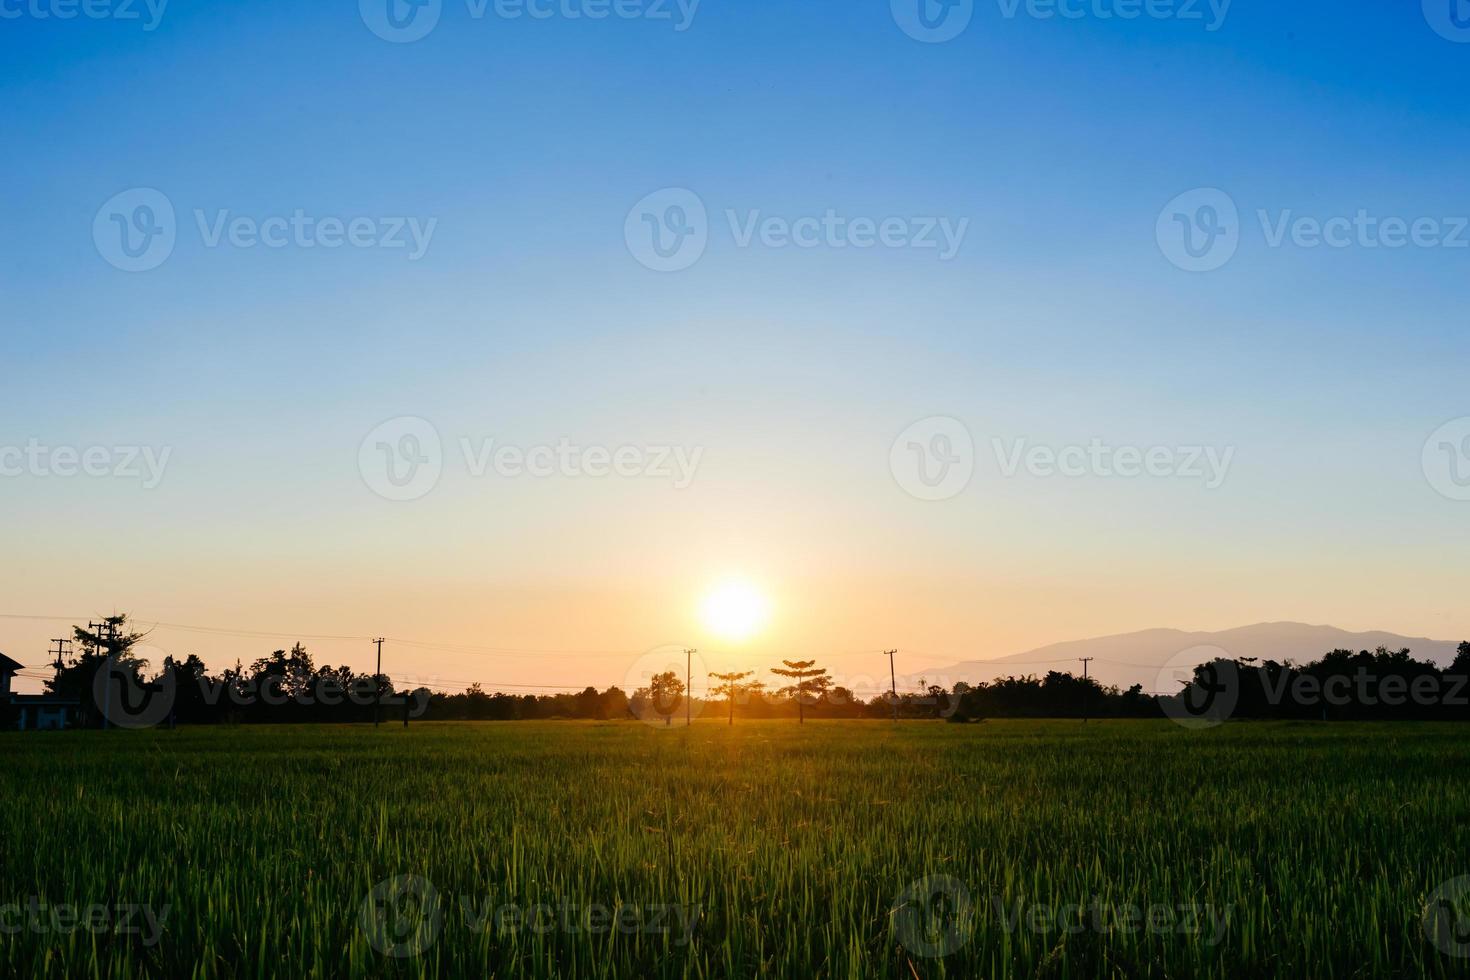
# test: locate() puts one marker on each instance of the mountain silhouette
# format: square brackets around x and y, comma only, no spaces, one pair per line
[1155,657]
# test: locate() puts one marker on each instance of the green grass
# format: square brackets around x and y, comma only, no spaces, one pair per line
[1320,843]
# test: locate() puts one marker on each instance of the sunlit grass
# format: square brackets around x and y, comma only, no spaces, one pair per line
[1320,843]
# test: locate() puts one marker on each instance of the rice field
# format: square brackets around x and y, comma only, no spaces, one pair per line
[833,849]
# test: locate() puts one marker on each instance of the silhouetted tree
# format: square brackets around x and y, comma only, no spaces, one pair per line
[811,683]
[734,685]
[665,694]
[110,647]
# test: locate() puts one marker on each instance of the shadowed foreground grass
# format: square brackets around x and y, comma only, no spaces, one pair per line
[1010,849]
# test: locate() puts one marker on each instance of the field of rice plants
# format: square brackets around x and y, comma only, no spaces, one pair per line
[839,849]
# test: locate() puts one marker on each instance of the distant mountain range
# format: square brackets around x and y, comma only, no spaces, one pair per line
[1155,657]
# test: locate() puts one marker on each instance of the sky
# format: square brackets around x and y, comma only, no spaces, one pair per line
[510,330]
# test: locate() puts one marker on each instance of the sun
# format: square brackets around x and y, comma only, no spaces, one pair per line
[735,611]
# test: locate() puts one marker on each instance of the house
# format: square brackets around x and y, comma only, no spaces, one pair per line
[8,669]
[32,711]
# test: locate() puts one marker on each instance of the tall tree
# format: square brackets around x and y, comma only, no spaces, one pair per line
[735,685]
[811,683]
[666,692]
[96,644]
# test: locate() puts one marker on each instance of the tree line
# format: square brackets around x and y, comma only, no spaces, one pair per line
[113,685]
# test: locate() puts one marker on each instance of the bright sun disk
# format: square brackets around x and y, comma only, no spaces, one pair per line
[735,611]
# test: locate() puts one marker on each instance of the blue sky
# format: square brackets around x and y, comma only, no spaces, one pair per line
[527,142]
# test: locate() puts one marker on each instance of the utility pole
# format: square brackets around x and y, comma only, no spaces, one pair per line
[106,634]
[60,651]
[378,685]
[688,686]
[1085,661]
[893,680]
[96,630]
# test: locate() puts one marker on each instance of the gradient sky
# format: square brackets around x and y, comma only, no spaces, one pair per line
[528,320]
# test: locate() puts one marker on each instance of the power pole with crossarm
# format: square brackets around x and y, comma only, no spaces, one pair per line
[1085,662]
[378,684]
[893,680]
